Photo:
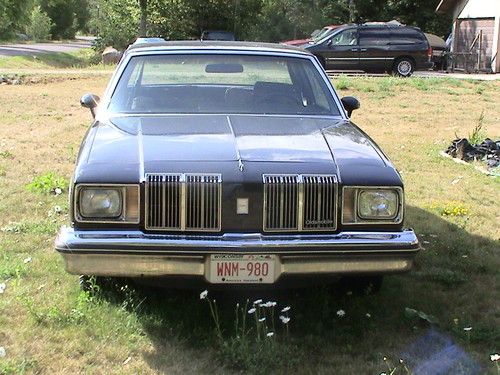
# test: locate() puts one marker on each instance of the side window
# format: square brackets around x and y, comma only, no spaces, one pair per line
[374,36]
[345,38]
[406,35]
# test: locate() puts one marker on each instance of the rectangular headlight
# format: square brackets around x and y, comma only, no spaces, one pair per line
[365,205]
[107,203]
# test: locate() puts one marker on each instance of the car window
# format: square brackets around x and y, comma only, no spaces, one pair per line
[406,35]
[229,83]
[374,36]
[345,38]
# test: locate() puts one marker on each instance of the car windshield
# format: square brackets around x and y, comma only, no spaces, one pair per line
[214,83]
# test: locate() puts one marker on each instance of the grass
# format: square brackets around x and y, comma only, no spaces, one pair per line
[48,325]
[82,58]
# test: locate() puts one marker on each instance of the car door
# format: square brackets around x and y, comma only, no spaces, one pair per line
[374,48]
[341,50]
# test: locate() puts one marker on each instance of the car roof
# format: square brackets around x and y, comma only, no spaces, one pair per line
[189,45]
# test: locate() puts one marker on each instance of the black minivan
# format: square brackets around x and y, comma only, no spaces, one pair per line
[374,48]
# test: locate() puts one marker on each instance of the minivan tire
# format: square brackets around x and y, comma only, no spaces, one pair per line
[403,67]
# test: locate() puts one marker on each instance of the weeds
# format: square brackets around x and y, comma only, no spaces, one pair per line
[478,134]
[48,183]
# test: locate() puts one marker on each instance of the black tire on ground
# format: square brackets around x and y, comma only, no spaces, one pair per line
[403,67]
[362,285]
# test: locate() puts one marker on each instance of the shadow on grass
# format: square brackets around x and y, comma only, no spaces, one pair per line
[373,327]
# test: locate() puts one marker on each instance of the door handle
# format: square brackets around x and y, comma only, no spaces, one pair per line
[354,50]
[363,50]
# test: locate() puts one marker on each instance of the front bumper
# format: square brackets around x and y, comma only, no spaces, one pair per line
[136,254]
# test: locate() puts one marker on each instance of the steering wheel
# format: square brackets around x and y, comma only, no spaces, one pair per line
[276,99]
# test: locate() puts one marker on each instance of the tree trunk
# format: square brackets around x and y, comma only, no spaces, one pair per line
[352,11]
[143,32]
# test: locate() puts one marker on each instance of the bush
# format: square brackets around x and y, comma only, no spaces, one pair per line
[40,25]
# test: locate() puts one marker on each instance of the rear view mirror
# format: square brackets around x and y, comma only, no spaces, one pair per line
[350,104]
[329,43]
[90,101]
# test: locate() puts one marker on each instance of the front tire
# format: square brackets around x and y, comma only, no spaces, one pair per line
[403,67]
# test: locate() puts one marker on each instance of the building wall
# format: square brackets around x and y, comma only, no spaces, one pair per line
[479,9]
[479,31]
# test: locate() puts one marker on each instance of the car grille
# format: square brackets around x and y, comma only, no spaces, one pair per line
[183,202]
[300,203]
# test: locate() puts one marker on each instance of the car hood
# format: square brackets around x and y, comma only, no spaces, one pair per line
[167,143]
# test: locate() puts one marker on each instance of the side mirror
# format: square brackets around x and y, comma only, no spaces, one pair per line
[90,101]
[329,43]
[350,104]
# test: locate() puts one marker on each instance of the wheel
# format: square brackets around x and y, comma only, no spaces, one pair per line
[403,67]
[362,285]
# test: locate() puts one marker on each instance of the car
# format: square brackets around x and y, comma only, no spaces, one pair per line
[315,36]
[231,163]
[217,35]
[439,51]
[374,48]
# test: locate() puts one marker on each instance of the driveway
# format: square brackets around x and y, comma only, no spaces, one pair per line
[29,49]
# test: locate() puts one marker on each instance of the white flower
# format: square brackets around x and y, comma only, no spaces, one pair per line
[286,309]
[252,310]
[270,334]
[349,293]
[2,287]
[494,357]
[57,191]
[368,315]
[341,313]
[27,260]
[262,319]
[284,319]
[3,353]
[256,302]
[383,373]
[467,329]
[268,304]
[57,209]
[204,294]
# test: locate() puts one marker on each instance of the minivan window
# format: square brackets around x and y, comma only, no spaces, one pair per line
[345,38]
[406,35]
[374,36]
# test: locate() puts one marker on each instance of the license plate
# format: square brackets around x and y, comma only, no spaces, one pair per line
[241,268]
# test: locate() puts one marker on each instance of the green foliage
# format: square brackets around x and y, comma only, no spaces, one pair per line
[48,183]
[40,25]
[14,15]
[478,134]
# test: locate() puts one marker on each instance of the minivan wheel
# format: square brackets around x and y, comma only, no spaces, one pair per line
[403,67]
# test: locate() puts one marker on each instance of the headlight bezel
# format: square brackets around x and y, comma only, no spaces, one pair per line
[130,204]
[350,206]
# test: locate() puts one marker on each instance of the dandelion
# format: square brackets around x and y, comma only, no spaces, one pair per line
[2,287]
[270,334]
[3,353]
[57,191]
[258,301]
[268,304]
[204,294]
[467,329]
[27,260]
[284,319]
[368,315]
[285,309]
[340,313]
[252,310]
[494,357]
[262,319]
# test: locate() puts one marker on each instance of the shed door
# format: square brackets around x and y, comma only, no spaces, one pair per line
[467,30]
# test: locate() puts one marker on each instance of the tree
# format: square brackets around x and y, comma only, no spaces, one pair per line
[40,25]
[14,16]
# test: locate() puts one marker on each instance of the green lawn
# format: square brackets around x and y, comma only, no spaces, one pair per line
[48,325]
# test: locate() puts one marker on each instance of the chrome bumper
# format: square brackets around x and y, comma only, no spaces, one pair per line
[136,254]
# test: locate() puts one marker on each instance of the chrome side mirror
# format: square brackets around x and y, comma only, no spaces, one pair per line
[90,101]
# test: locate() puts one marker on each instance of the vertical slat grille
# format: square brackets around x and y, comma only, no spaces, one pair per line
[183,202]
[319,202]
[300,202]
[281,202]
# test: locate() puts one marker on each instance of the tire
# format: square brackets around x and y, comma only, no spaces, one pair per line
[403,67]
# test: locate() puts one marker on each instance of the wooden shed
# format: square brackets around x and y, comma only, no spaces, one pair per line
[475,34]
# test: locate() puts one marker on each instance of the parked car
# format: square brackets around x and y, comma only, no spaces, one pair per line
[316,35]
[231,165]
[376,47]
[439,51]
[217,35]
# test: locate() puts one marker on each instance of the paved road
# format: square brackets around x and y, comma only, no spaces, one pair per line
[30,49]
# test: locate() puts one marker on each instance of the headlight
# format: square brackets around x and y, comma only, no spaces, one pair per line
[107,203]
[100,202]
[365,205]
[377,204]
